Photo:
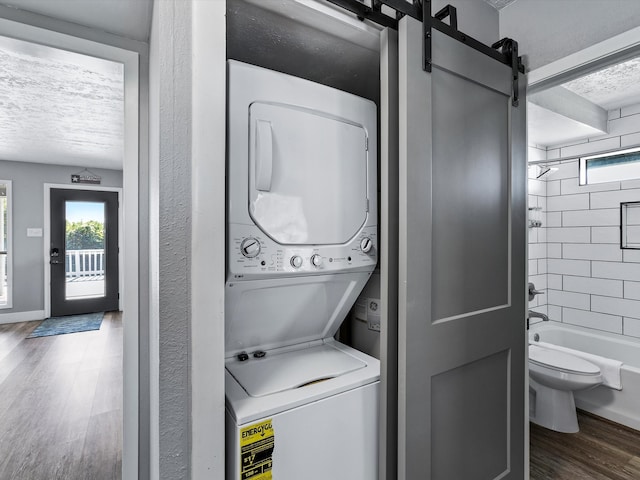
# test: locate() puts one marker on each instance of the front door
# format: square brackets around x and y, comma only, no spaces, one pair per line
[83,254]
[461,318]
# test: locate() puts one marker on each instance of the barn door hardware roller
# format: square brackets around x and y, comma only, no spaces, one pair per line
[504,51]
[509,48]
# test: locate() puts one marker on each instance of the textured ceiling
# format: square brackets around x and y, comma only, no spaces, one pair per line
[612,87]
[499,4]
[60,107]
[126,18]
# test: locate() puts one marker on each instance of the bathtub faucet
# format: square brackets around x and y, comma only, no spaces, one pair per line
[533,314]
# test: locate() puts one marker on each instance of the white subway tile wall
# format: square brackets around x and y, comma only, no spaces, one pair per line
[631,327]
[588,279]
[605,235]
[632,290]
[587,319]
[537,235]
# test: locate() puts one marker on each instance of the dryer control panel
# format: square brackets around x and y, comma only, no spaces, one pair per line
[252,255]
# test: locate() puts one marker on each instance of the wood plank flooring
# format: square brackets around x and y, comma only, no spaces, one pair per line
[601,450]
[61,403]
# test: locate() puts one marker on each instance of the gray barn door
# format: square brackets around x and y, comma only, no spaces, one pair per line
[462,265]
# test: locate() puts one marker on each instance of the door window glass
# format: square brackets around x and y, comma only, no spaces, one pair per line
[84,250]
[5,244]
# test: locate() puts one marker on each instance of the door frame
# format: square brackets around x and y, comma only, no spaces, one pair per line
[46,233]
[132,149]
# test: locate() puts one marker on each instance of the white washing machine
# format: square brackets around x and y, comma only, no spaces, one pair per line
[302,243]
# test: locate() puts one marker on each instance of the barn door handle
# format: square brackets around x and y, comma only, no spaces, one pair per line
[264,155]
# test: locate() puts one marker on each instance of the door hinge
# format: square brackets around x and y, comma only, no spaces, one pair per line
[366,143]
[367,206]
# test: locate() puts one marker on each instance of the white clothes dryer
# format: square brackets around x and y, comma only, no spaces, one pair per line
[301,245]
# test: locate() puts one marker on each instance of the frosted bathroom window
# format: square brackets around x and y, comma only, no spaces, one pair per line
[5,244]
[610,167]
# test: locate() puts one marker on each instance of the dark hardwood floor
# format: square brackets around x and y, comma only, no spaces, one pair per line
[601,450]
[61,403]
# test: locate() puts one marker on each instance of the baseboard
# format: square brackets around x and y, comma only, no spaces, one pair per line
[16,317]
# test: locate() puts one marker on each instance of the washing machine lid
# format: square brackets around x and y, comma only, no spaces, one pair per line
[274,313]
[561,361]
[278,372]
[307,174]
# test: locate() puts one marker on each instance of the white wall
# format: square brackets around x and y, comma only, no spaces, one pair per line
[548,30]
[187,225]
[537,248]
[170,237]
[591,281]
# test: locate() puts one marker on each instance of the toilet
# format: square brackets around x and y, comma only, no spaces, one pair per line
[554,376]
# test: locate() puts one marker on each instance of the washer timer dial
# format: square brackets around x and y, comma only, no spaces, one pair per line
[366,244]
[316,260]
[250,247]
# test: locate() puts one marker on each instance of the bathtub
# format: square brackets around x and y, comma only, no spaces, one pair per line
[619,406]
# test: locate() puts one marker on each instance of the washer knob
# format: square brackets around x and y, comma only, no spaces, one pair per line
[296,261]
[250,247]
[316,260]
[366,244]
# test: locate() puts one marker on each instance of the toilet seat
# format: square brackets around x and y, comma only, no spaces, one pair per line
[560,361]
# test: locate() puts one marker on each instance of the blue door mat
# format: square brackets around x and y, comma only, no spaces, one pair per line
[68,324]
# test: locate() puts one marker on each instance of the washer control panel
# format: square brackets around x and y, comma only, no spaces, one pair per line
[254,255]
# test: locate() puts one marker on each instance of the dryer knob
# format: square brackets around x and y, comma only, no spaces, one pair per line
[296,261]
[316,260]
[366,244]
[250,247]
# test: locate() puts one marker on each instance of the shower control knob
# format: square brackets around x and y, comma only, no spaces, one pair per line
[296,261]
[316,260]
[366,244]
[250,247]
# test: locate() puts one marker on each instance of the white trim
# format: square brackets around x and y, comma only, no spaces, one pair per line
[46,233]
[17,317]
[610,46]
[9,228]
[208,239]
[129,207]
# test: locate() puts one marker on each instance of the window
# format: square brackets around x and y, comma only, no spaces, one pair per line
[5,244]
[610,167]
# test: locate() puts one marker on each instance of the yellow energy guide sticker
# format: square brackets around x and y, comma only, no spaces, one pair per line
[256,451]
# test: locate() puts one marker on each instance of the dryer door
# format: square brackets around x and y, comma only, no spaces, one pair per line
[307,175]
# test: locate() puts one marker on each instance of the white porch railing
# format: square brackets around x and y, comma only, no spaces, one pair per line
[84,263]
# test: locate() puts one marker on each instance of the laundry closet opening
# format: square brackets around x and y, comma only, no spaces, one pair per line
[303,231]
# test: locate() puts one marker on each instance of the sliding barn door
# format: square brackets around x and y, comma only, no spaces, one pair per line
[462,264]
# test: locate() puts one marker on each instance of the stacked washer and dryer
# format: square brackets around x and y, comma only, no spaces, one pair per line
[301,245]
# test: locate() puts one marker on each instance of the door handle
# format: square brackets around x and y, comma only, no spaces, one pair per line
[264,155]
[55,262]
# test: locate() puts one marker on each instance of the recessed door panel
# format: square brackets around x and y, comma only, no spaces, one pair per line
[470,177]
[307,175]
